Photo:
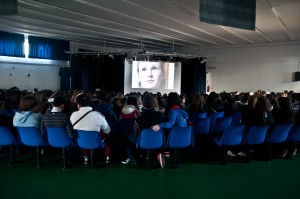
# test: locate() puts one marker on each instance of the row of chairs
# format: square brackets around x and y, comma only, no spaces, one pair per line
[56,137]
[179,137]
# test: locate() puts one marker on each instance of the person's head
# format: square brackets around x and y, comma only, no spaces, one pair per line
[150,74]
[27,103]
[83,100]
[60,102]
[131,101]
[148,101]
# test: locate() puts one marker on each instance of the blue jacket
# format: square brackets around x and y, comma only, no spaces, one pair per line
[27,119]
[176,117]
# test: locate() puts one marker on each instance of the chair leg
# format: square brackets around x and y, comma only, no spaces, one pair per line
[270,153]
[225,155]
[92,162]
[12,155]
[149,160]
[176,159]
[248,160]
[65,158]
[39,157]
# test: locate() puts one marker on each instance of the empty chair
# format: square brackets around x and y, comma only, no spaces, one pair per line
[150,140]
[255,135]
[292,139]
[201,126]
[198,115]
[278,134]
[232,136]
[179,137]
[220,125]
[213,116]
[6,138]
[236,118]
[201,129]
[31,136]
[90,140]
[58,137]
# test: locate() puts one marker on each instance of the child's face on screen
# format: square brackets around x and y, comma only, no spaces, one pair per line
[150,74]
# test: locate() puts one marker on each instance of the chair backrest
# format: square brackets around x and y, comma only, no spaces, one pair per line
[214,115]
[58,137]
[150,139]
[236,118]
[294,134]
[31,136]
[256,135]
[221,123]
[180,137]
[233,135]
[279,133]
[201,126]
[126,126]
[89,139]
[199,115]
[6,137]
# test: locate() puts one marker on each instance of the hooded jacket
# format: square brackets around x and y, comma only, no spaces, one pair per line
[27,119]
[129,111]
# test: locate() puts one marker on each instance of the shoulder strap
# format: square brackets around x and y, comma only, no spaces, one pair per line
[82,117]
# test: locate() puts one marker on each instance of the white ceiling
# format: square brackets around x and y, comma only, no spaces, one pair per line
[150,24]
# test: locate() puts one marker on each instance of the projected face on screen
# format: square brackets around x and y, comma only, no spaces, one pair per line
[150,74]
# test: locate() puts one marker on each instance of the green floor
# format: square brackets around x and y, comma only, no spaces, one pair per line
[278,179]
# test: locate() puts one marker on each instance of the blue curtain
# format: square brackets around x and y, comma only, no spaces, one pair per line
[11,44]
[43,48]
[65,74]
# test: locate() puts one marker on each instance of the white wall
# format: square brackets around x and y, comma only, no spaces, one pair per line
[44,74]
[268,68]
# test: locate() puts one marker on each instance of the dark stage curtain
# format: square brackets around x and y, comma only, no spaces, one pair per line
[11,44]
[65,74]
[43,48]
[193,76]
[89,72]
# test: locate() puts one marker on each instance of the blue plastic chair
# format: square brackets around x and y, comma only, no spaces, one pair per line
[58,137]
[213,116]
[6,138]
[220,125]
[198,115]
[90,140]
[150,140]
[293,137]
[179,137]
[31,136]
[232,136]
[255,135]
[278,134]
[201,126]
[236,118]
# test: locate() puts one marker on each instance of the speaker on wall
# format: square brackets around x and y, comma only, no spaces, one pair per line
[297,76]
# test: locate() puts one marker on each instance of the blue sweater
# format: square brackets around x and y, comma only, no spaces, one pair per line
[176,117]
[27,119]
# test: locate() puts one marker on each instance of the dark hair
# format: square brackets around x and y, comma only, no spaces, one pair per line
[83,100]
[148,101]
[59,100]
[131,101]
[27,103]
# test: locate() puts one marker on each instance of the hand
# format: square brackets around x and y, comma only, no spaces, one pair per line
[155,127]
